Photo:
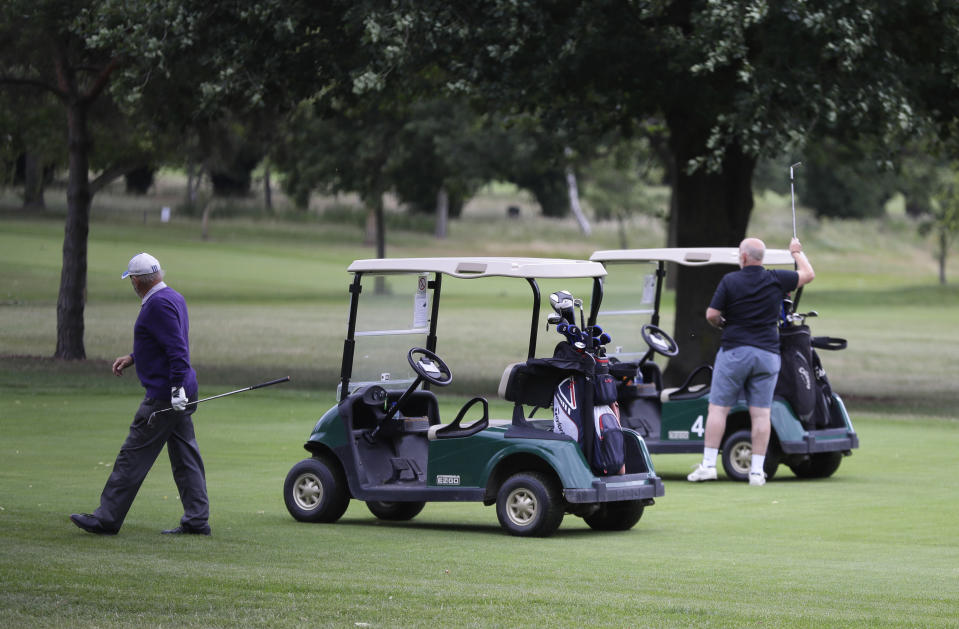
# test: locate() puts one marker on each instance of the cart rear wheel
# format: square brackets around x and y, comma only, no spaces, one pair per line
[616,516]
[529,504]
[395,511]
[315,491]
[819,465]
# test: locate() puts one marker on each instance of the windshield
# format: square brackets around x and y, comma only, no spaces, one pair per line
[628,304]
[484,325]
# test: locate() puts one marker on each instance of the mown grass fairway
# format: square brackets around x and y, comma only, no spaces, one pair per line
[873,546]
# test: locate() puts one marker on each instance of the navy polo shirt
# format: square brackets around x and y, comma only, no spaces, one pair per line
[751,301]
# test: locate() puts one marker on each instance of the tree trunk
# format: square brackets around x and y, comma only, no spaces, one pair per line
[380,285]
[712,210]
[943,254]
[73,275]
[442,213]
[205,221]
[573,191]
[32,182]
[267,189]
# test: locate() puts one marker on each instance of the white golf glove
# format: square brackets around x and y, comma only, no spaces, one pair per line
[178,398]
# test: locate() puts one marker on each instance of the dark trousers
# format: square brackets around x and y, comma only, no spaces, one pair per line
[138,454]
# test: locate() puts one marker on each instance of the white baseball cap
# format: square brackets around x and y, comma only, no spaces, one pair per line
[141,264]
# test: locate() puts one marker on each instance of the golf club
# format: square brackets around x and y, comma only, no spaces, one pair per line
[562,302]
[213,397]
[792,193]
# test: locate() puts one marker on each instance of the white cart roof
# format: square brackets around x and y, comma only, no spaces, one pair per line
[689,256]
[471,267]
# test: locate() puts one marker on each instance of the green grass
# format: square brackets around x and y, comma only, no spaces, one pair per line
[868,547]
[872,546]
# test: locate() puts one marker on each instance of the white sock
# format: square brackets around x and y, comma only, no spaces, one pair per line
[709,457]
[756,464]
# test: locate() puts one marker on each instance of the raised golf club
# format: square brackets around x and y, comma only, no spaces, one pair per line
[792,193]
[213,397]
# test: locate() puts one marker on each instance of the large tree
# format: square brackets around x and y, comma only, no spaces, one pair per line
[165,66]
[732,80]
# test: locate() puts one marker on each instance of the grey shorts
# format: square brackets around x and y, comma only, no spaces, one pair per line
[744,372]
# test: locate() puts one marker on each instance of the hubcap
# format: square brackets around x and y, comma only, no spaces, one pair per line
[307,491]
[521,506]
[741,456]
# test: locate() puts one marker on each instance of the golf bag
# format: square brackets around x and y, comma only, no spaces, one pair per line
[824,400]
[581,410]
[802,379]
[797,384]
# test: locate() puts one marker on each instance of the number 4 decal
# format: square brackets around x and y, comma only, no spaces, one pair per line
[698,426]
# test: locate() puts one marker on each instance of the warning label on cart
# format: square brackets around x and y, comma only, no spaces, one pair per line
[421,303]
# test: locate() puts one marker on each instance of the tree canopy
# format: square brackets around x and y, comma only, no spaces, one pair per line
[732,80]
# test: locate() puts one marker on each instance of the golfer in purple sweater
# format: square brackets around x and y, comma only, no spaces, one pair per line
[161,353]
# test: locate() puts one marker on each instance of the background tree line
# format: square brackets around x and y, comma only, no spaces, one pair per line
[429,99]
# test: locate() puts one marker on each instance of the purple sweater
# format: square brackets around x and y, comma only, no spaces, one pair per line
[161,345]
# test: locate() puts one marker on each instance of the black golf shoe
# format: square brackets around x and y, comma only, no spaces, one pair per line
[90,524]
[187,530]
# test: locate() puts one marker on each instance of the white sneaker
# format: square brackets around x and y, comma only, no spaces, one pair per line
[757,480]
[702,473]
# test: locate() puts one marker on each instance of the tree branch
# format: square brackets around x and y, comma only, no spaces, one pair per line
[109,175]
[101,82]
[24,81]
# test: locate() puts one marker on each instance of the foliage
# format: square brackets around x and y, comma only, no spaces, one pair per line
[942,220]
[732,81]
[846,179]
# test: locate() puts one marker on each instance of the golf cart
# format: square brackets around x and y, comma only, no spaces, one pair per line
[811,430]
[385,441]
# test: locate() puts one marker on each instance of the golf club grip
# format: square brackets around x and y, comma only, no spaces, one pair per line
[270,383]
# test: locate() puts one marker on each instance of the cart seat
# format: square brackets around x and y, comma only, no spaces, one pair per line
[456,427]
[432,436]
[688,390]
[678,393]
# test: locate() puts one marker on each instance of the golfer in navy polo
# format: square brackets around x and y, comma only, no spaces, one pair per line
[161,353]
[746,307]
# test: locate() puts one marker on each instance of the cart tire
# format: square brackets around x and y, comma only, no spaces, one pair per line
[819,465]
[737,455]
[738,452]
[616,516]
[774,455]
[315,491]
[395,511]
[529,504]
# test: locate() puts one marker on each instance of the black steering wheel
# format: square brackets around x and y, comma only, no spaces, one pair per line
[429,367]
[659,341]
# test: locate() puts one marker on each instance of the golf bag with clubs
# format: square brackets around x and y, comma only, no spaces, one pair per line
[796,382]
[802,379]
[581,401]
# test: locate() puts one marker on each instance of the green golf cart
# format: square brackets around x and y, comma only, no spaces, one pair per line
[811,429]
[386,441]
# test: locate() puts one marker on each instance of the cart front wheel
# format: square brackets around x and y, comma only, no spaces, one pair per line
[737,455]
[315,491]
